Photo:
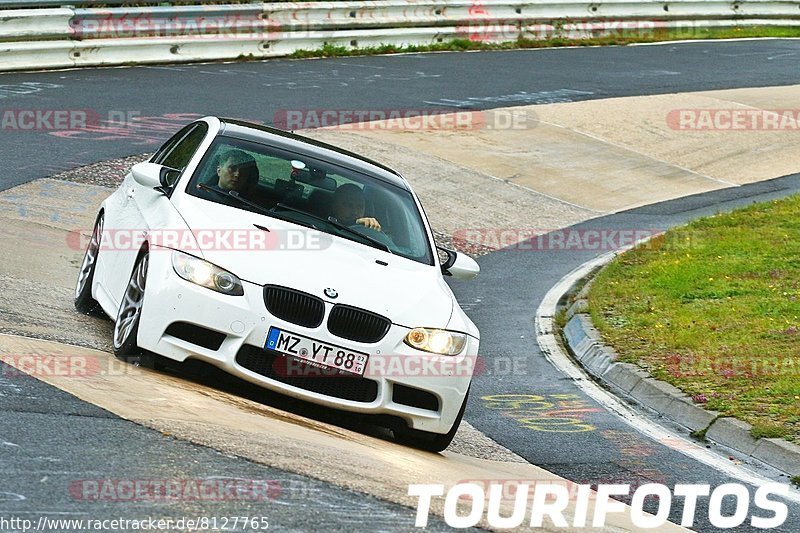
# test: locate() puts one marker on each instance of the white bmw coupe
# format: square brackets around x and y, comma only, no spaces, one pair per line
[292,264]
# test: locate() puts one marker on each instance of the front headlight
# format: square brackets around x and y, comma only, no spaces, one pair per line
[438,341]
[205,274]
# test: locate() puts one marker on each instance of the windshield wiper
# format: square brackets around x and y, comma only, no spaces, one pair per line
[262,209]
[234,194]
[335,223]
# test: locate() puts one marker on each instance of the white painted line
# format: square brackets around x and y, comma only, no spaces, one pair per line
[541,97]
[554,353]
[710,41]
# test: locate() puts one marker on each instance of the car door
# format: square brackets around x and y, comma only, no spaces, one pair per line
[147,208]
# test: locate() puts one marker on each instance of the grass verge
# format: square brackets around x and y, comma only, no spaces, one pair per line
[621,38]
[714,309]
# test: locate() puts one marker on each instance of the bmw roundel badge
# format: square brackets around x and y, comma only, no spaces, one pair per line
[331,293]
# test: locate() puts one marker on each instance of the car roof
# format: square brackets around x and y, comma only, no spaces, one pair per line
[312,147]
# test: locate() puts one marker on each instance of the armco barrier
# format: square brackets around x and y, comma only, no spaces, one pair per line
[47,37]
[34,24]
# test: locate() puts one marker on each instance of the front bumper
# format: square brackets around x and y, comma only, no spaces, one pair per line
[398,381]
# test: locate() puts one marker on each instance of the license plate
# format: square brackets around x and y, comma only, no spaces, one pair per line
[321,353]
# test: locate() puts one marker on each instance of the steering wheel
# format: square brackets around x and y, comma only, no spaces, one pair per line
[374,234]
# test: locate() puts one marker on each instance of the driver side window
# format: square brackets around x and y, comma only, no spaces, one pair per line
[180,153]
[171,142]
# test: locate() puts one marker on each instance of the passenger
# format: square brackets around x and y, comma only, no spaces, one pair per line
[348,207]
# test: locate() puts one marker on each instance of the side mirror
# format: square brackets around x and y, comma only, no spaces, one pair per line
[460,266]
[147,174]
[169,177]
[155,176]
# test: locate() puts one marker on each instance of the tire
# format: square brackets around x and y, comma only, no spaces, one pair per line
[425,440]
[84,302]
[126,325]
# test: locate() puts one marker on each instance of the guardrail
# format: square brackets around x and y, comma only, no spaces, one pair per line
[52,37]
[7,4]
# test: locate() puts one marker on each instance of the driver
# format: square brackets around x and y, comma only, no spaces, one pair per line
[236,171]
[348,207]
[237,175]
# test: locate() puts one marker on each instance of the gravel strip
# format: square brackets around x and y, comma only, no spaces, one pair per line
[104,173]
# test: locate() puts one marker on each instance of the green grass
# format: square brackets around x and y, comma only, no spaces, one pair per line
[561,318]
[699,434]
[619,38]
[714,309]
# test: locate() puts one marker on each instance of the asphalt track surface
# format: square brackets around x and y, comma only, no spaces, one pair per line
[52,427]
[259,90]
[65,459]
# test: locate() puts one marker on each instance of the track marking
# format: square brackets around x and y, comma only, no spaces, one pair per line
[551,413]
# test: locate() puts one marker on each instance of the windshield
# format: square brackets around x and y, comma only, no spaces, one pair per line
[313,193]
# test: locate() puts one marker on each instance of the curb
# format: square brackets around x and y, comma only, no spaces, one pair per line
[624,379]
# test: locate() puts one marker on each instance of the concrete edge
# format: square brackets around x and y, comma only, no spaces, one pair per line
[584,343]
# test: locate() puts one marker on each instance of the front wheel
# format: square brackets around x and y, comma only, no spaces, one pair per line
[425,440]
[83,287]
[126,326]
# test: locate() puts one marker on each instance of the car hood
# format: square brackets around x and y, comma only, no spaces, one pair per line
[405,291]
